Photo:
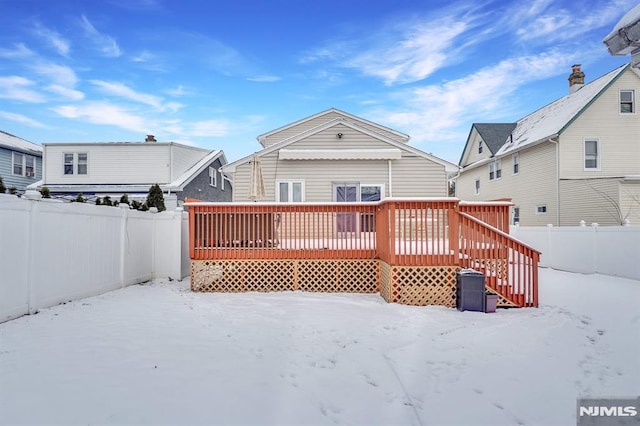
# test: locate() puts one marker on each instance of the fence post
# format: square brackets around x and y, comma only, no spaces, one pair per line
[123,241]
[31,244]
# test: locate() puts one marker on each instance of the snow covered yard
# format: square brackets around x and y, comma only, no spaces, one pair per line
[160,354]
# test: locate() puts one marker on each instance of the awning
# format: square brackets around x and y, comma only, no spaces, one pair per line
[340,154]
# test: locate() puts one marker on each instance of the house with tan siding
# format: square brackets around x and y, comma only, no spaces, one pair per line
[336,156]
[576,159]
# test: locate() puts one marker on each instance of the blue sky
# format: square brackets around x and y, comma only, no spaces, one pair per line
[217,74]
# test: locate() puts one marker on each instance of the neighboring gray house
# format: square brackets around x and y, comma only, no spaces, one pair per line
[336,156]
[20,162]
[117,168]
[577,158]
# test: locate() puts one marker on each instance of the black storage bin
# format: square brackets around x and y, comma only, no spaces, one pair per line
[470,291]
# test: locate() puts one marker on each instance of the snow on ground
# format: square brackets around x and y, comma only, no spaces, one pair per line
[159,354]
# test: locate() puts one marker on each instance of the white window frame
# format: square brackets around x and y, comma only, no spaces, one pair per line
[480,147]
[598,155]
[541,209]
[22,163]
[213,177]
[515,161]
[290,190]
[19,163]
[76,164]
[632,102]
[495,170]
[477,187]
[516,215]
[378,185]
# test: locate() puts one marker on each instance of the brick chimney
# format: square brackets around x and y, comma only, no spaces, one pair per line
[576,79]
[150,138]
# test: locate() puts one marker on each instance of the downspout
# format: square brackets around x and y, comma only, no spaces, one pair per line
[390,178]
[557,180]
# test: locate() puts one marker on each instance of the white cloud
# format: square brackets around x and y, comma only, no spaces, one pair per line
[61,45]
[66,92]
[405,51]
[210,128]
[58,74]
[264,78]
[444,112]
[22,119]
[20,51]
[19,89]
[105,114]
[106,44]
[123,91]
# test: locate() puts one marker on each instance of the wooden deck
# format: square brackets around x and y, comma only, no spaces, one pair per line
[408,250]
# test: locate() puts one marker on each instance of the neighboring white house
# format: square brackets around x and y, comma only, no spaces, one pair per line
[625,36]
[336,156]
[20,162]
[117,168]
[577,158]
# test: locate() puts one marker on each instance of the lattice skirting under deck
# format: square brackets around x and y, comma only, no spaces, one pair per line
[419,285]
[328,276]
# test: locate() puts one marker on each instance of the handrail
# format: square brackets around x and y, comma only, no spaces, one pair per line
[509,265]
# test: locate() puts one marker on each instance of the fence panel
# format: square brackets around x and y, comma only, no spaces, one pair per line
[52,252]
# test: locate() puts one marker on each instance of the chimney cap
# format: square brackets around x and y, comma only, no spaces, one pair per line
[150,138]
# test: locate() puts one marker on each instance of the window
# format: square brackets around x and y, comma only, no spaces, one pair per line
[516,163]
[213,177]
[370,192]
[516,215]
[627,102]
[290,192]
[68,164]
[18,166]
[495,170]
[75,163]
[30,166]
[82,163]
[479,147]
[23,165]
[477,190]
[591,154]
[541,209]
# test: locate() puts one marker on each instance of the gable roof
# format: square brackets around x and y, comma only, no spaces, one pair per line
[551,120]
[7,140]
[196,169]
[449,167]
[261,137]
[494,136]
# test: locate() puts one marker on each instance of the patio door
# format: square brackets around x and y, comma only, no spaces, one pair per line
[346,193]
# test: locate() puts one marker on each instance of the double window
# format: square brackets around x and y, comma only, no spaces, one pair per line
[75,163]
[290,191]
[592,154]
[495,170]
[23,165]
[627,102]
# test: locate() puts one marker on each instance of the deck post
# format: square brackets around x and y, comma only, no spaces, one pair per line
[454,233]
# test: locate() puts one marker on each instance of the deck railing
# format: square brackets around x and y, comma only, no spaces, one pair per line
[510,266]
[411,232]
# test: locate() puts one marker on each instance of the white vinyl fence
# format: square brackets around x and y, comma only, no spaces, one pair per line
[608,250]
[53,252]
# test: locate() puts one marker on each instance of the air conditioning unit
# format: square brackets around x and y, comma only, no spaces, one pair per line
[31,174]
